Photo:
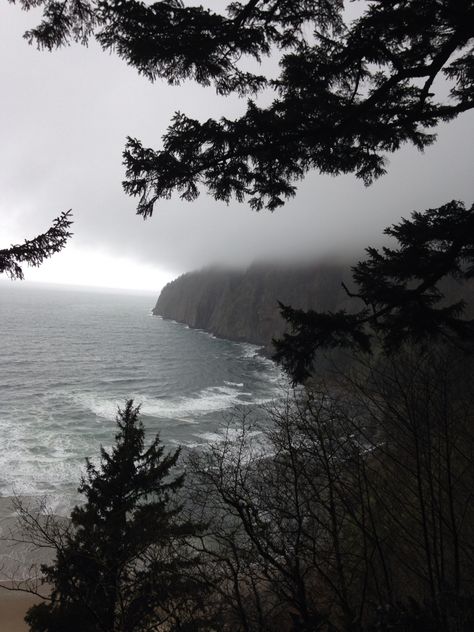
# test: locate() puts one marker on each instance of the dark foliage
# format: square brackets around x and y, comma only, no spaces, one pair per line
[34,251]
[347,93]
[413,616]
[400,292]
[117,566]
[359,516]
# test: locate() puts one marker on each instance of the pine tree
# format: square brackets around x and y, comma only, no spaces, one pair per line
[400,291]
[120,566]
[349,93]
[34,251]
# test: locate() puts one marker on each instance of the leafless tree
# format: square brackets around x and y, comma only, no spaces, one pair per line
[341,505]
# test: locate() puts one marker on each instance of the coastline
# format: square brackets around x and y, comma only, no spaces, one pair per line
[15,562]
[261,349]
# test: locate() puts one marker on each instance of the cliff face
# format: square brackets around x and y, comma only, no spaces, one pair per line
[243,305]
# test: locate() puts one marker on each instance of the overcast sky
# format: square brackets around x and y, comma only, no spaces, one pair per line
[64,119]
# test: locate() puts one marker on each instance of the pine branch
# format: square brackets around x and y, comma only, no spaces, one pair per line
[401,286]
[34,251]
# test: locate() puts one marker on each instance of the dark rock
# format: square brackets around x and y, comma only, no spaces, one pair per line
[243,305]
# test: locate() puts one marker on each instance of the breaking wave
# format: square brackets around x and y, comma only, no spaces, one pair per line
[70,358]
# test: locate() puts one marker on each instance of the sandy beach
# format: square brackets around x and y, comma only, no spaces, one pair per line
[14,562]
[13,607]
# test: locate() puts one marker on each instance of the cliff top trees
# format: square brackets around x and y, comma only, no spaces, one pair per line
[399,290]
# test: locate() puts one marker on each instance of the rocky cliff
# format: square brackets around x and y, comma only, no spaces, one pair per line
[243,305]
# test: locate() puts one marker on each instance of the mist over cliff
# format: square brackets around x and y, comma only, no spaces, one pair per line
[243,304]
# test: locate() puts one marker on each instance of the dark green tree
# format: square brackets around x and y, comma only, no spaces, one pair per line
[34,251]
[348,94]
[120,565]
[400,291]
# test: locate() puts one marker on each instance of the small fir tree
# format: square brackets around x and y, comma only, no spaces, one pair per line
[121,565]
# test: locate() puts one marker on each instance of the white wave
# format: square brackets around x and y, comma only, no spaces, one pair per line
[39,462]
[209,400]
[206,333]
[37,477]
[211,437]
[101,407]
[249,350]
[212,399]
[251,446]
[238,384]
[227,434]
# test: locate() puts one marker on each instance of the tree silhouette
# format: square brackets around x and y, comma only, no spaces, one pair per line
[358,518]
[117,565]
[34,251]
[400,290]
[348,93]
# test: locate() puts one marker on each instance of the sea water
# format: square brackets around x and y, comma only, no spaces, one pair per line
[70,357]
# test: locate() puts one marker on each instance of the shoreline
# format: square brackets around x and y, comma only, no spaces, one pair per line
[13,608]
[262,349]
[15,562]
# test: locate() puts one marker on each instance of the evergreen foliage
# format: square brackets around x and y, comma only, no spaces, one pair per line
[117,567]
[34,251]
[400,292]
[347,93]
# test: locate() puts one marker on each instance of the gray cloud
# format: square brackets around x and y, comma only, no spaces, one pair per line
[65,116]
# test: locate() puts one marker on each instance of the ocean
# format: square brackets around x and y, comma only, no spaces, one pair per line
[70,357]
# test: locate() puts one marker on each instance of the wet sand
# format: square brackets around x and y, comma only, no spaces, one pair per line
[15,561]
[13,607]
